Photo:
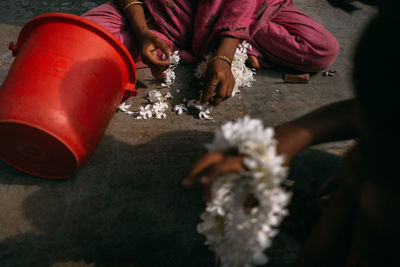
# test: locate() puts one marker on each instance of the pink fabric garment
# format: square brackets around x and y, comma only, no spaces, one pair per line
[279,32]
[295,40]
[199,24]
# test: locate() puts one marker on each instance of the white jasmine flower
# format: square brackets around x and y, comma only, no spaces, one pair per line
[167,95]
[175,58]
[196,104]
[125,108]
[160,115]
[205,113]
[180,109]
[157,106]
[146,112]
[204,109]
[159,109]
[170,73]
[192,103]
[154,96]
[225,225]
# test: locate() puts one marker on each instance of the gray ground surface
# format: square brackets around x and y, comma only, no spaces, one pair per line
[127,203]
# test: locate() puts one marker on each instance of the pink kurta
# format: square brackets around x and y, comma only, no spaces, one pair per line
[280,33]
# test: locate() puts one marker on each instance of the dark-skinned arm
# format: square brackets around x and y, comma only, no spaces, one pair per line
[334,122]
[149,42]
[330,123]
[219,73]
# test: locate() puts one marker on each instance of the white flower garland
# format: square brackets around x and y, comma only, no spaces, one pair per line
[237,238]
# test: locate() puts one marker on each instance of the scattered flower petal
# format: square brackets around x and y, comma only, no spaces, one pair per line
[156,107]
[124,108]
[180,109]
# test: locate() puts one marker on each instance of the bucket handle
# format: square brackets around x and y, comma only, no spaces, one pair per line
[130,90]
[14,48]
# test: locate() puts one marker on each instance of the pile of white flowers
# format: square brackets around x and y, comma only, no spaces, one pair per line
[157,107]
[237,238]
[154,109]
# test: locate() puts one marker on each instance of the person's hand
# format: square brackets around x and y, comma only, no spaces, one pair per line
[210,167]
[252,61]
[150,43]
[218,82]
[213,165]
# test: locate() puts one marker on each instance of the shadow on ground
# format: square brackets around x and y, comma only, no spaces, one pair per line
[134,209]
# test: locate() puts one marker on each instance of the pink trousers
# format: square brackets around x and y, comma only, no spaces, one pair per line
[291,39]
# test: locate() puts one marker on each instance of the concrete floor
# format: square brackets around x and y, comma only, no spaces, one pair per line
[127,204]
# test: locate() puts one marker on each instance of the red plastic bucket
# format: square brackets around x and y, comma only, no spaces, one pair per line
[67,80]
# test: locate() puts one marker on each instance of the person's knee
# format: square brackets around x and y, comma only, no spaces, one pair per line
[324,56]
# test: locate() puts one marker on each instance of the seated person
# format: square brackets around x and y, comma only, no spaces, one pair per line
[279,33]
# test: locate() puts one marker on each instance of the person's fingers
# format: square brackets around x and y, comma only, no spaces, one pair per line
[164,47]
[152,59]
[253,62]
[208,91]
[200,166]
[230,164]
[221,93]
[158,74]
[160,44]
[156,70]
[230,89]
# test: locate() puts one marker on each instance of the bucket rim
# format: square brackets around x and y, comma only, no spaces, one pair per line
[32,125]
[122,50]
